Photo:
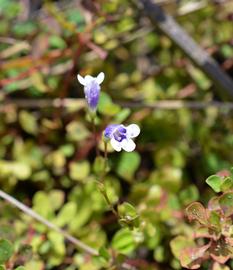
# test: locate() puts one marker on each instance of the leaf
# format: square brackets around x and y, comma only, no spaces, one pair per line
[126,209]
[25,253]
[79,170]
[42,205]
[6,250]
[192,258]
[35,265]
[20,268]
[213,204]
[37,81]
[196,211]
[57,241]
[214,181]
[226,203]
[84,212]
[57,42]
[76,131]
[219,251]
[56,198]
[99,165]
[227,184]
[66,214]
[106,106]
[123,241]
[22,29]
[215,219]
[122,115]
[28,122]
[21,170]
[189,195]
[103,252]
[218,266]
[128,164]
[179,243]
[128,214]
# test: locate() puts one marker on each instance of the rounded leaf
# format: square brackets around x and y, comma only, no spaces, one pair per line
[6,250]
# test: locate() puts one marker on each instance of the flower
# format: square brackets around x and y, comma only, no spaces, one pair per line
[121,136]
[91,88]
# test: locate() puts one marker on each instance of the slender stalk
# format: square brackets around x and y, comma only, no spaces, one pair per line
[104,192]
[47,223]
[95,134]
[101,184]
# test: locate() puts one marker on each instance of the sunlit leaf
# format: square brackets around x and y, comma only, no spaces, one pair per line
[214,181]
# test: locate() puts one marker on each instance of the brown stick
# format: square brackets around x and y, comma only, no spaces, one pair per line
[167,24]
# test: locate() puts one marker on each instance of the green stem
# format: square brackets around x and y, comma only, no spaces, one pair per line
[101,182]
[95,134]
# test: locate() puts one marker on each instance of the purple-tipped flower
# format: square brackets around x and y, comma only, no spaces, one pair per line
[121,136]
[91,89]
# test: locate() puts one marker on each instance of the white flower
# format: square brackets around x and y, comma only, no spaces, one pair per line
[121,136]
[91,88]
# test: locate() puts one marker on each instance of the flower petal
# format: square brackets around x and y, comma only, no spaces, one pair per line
[133,131]
[88,79]
[128,145]
[116,145]
[100,78]
[81,79]
[109,130]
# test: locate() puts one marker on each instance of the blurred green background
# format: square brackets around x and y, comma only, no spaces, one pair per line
[47,151]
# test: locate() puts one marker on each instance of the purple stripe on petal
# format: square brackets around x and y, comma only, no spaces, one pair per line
[92,91]
[108,133]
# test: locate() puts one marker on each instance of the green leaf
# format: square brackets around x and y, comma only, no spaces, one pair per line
[214,181]
[178,243]
[28,122]
[79,170]
[106,106]
[227,184]
[84,212]
[122,115]
[20,268]
[123,241]
[196,211]
[128,214]
[189,195]
[128,164]
[67,213]
[42,204]
[76,131]
[2,267]
[103,252]
[127,209]
[99,165]
[215,219]
[57,42]
[22,29]
[6,250]
[226,203]
[159,253]
[57,241]
[56,198]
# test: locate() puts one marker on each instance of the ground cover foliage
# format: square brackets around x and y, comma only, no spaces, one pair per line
[169,217]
